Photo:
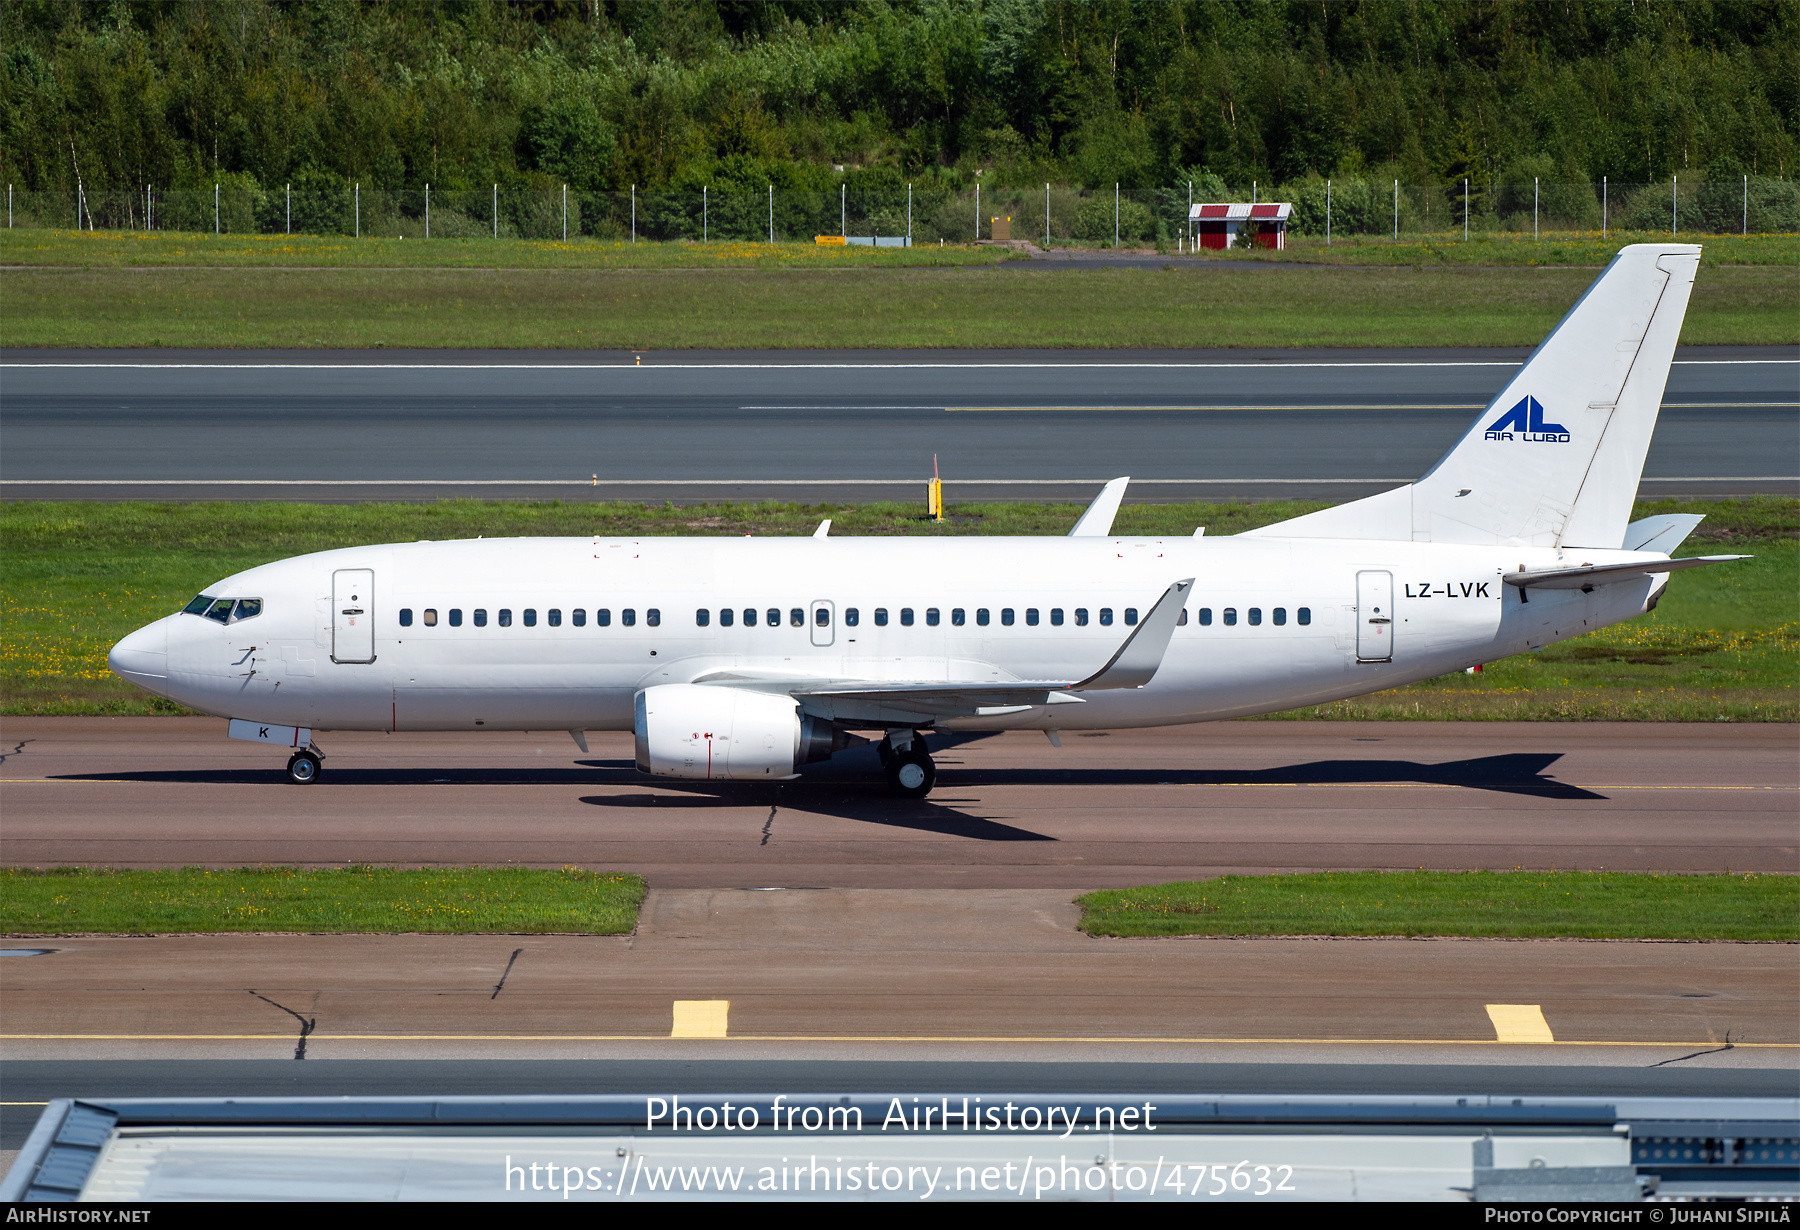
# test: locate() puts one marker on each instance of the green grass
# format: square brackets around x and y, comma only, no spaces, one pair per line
[1508,904]
[1015,304]
[372,899]
[1724,644]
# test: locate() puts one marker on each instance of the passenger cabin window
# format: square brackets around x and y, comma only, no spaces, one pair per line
[931,617]
[1280,615]
[199,606]
[1031,616]
[480,617]
[247,608]
[603,618]
[1130,616]
[1081,617]
[958,616]
[406,617]
[431,617]
[727,617]
[906,617]
[531,617]
[1230,617]
[881,617]
[774,617]
[981,616]
[505,620]
[553,617]
[1206,617]
[851,616]
[1056,617]
[1006,616]
[628,617]
[797,618]
[749,617]
[653,617]
[578,617]
[822,617]
[1106,617]
[1181,619]
[456,617]
[702,617]
[1255,616]
[1303,616]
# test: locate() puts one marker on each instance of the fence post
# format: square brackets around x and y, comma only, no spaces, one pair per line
[1746,204]
[1465,210]
[428,211]
[771,215]
[1115,213]
[287,226]
[215,211]
[1674,199]
[359,210]
[909,215]
[634,213]
[565,213]
[1046,217]
[1188,225]
[703,218]
[9,208]
[1603,209]
[977,211]
[1396,211]
[844,210]
[1328,213]
[496,211]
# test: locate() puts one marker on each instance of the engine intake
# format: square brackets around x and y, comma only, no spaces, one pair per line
[728,734]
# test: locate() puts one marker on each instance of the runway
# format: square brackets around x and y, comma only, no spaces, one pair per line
[818,426]
[1009,811]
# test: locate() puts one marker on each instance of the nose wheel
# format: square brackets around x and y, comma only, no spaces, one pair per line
[303,768]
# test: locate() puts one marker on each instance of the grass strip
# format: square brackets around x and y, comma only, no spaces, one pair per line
[139,249]
[1723,645]
[462,900]
[1014,304]
[1490,904]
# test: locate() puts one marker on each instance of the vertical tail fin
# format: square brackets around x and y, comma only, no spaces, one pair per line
[1555,459]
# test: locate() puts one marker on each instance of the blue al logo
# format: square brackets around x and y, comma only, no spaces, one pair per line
[1525,421]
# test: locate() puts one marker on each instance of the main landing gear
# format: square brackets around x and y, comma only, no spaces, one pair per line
[910,773]
[303,766]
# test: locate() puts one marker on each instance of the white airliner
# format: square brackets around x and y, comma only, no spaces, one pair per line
[748,658]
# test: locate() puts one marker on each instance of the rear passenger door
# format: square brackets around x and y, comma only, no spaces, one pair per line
[1374,616]
[353,615]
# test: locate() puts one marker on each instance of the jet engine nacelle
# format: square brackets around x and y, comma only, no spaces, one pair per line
[728,734]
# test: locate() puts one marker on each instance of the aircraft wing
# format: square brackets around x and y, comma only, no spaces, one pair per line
[1133,665]
[1589,575]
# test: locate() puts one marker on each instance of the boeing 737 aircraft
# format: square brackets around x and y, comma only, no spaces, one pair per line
[748,659]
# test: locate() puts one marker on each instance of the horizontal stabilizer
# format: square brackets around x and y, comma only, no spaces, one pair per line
[1097,521]
[1661,534]
[1590,575]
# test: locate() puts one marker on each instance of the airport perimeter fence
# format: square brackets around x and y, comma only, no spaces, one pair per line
[1363,209]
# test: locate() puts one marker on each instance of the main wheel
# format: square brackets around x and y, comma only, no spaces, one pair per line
[303,768]
[911,774]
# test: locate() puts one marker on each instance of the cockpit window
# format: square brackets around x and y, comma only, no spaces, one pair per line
[199,605]
[221,611]
[247,608]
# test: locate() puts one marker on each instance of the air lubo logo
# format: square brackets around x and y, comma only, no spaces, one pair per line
[1525,421]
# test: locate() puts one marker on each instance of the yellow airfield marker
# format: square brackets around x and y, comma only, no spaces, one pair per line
[1519,1023]
[700,1018]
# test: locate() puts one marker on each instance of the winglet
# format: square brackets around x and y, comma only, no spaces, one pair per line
[1142,653]
[1097,521]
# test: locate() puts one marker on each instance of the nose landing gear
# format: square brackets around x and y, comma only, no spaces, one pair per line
[303,767]
[910,772]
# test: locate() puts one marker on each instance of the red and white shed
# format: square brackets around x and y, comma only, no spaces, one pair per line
[1219,226]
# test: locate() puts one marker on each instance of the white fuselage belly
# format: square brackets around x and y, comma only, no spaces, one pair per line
[1451,610]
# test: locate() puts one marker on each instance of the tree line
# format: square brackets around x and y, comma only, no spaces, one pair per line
[675,95]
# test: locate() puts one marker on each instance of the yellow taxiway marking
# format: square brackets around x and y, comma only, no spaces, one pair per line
[1519,1023]
[318,1036]
[700,1018]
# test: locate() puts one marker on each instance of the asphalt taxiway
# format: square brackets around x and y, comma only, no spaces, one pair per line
[819,425]
[1009,811]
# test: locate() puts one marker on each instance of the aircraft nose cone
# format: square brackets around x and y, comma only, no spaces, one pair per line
[143,657]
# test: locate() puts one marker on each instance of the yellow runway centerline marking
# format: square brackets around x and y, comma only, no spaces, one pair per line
[318,1036]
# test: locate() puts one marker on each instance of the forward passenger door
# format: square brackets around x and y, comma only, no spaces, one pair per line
[353,615]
